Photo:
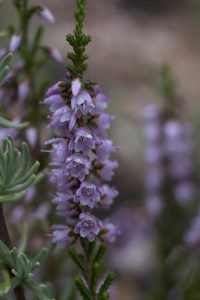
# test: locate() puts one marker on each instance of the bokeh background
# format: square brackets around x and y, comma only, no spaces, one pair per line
[131,40]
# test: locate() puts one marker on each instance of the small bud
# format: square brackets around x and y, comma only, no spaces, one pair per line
[55,54]
[76,87]
[31,136]
[23,90]
[45,13]
[15,43]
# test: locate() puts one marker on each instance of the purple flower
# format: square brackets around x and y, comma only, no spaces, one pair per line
[45,13]
[59,177]
[184,192]
[87,195]
[23,90]
[110,232]
[56,89]
[106,172]
[181,167]
[151,113]
[15,43]
[192,236]
[105,149]
[101,101]
[104,120]
[62,234]
[56,55]
[88,226]
[32,136]
[55,101]
[152,132]
[76,87]
[154,178]
[82,141]
[61,116]
[173,129]
[80,152]
[154,205]
[82,104]
[153,155]
[60,151]
[65,207]
[108,195]
[78,166]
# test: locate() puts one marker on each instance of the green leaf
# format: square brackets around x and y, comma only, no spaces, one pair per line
[85,293]
[4,67]
[91,249]
[16,174]
[9,124]
[100,253]
[78,259]
[12,197]
[6,284]
[96,268]
[42,255]
[5,61]
[21,267]
[105,286]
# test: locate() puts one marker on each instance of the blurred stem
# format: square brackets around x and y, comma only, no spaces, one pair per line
[29,57]
[4,236]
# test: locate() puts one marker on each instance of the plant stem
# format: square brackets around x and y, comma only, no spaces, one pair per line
[88,250]
[4,236]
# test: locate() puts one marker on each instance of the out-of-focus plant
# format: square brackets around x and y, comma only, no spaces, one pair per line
[23,84]
[22,91]
[171,197]
[16,175]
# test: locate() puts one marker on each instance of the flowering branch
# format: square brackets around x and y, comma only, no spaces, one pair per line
[80,166]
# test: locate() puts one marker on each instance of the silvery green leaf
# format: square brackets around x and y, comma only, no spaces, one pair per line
[42,255]
[4,67]
[16,174]
[5,61]
[9,124]
[21,267]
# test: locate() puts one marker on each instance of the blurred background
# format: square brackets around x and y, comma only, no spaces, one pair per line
[131,40]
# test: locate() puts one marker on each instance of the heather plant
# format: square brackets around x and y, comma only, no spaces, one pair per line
[171,195]
[80,164]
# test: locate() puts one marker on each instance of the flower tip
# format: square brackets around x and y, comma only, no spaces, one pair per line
[76,87]
[15,43]
[57,56]
[45,13]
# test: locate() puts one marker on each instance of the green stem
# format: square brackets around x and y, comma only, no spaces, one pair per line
[4,236]
[29,57]
[89,249]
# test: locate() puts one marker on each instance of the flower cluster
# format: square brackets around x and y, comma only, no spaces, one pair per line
[169,157]
[80,159]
